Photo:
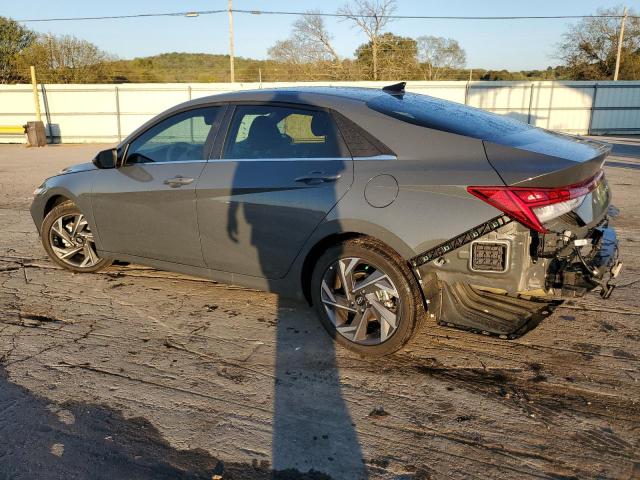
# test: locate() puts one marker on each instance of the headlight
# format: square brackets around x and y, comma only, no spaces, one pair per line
[39,190]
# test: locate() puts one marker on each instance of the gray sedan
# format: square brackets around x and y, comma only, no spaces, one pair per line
[376,206]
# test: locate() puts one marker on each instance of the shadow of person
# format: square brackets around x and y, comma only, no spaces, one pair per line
[40,439]
[312,428]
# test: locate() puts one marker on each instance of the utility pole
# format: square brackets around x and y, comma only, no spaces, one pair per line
[36,98]
[620,39]
[231,55]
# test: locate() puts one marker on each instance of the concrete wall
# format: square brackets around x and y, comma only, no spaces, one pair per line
[107,113]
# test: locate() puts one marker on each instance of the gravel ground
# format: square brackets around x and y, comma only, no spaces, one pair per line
[136,373]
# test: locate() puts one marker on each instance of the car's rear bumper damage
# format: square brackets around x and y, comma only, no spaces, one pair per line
[502,279]
[578,274]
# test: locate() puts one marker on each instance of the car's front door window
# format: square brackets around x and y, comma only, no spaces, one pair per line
[181,137]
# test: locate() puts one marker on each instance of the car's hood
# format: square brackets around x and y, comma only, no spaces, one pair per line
[81,167]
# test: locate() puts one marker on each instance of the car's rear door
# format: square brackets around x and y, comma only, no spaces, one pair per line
[279,172]
[147,207]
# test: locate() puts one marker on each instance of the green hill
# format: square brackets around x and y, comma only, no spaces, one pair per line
[178,67]
[187,67]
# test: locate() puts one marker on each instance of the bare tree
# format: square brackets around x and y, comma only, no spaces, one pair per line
[311,34]
[309,42]
[588,48]
[287,51]
[438,53]
[371,16]
[308,52]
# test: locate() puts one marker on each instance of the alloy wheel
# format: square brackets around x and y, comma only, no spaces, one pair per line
[361,300]
[72,241]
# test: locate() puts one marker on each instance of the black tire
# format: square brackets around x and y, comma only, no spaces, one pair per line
[410,312]
[66,209]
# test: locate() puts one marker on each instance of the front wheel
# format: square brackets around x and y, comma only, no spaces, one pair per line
[366,297]
[68,240]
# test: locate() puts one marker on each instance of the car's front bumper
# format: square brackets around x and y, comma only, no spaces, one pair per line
[38,205]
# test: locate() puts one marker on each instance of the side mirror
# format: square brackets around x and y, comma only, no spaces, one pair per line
[106,158]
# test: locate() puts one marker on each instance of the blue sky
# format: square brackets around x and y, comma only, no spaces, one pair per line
[515,45]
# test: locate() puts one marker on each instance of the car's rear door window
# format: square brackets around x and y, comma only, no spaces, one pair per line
[181,137]
[266,131]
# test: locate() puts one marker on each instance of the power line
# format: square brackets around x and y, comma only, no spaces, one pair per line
[117,17]
[195,13]
[430,17]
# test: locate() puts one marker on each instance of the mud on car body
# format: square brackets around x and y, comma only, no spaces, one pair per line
[376,206]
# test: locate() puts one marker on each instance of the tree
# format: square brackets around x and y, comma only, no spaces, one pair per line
[308,50]
[14,38]
[498,75]
[439,53]
[287,51]
[311,34]
[67,59]
[309,42]
[371,16]
[396,56]
[588,48]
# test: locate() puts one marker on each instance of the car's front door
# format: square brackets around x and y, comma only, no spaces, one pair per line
[147,207]
[280,171]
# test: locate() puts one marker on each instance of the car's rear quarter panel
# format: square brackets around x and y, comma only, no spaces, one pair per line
[432,169]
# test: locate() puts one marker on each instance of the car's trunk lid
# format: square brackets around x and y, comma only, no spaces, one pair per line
[537,157]
[544,159]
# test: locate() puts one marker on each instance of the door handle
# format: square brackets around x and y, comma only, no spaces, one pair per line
[315,178]
[178,181]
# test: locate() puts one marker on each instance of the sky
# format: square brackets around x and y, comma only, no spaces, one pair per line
[490,44]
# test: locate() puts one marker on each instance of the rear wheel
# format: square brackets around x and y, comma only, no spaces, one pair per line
[366,297]
[68,240]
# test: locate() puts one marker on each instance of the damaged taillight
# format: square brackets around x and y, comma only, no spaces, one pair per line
[533,206]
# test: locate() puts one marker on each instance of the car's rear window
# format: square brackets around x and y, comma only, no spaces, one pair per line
[472,122]
[447,116]
[269,131]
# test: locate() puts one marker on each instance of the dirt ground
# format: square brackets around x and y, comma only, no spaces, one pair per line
[136,373]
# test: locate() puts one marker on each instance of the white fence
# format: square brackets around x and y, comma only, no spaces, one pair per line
[107,113]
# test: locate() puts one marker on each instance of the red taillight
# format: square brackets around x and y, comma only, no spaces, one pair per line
[519,202]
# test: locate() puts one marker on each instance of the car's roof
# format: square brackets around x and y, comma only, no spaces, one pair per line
[378,111]
[296,94]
